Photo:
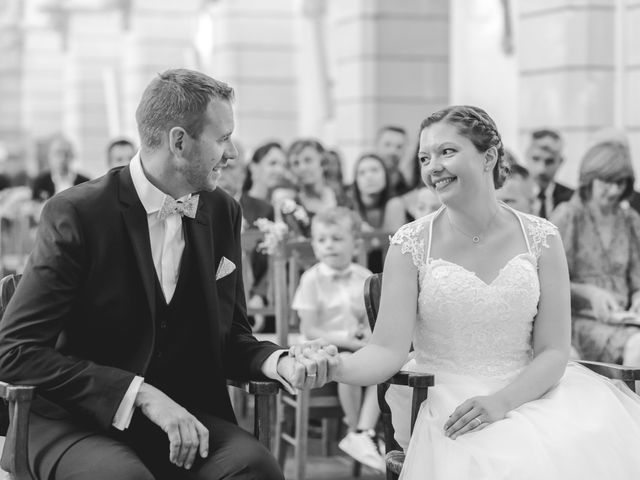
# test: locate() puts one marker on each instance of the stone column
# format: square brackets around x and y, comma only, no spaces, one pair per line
[567,72]
[30,73]
[93,45]
[631,79]
[160,35]
[253,50]
[391,67]
[12,54]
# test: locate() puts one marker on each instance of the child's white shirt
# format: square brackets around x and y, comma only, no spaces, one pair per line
[337,297]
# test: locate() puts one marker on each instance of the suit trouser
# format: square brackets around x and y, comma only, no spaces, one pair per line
[142,453]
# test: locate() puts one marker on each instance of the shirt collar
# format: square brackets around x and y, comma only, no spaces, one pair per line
[327,271]
[150,195]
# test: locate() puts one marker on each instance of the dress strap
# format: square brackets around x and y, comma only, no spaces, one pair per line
[436,215]
[524,230]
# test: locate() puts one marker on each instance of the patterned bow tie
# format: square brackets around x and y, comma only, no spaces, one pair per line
[186,208]
[343,275]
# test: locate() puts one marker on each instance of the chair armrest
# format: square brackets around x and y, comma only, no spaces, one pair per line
[263,390]
[616,372]
[412,379]
[420,382]
[256,387]
[14,453]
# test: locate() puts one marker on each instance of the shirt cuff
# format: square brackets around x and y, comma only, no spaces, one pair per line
[122,418]
[270,370]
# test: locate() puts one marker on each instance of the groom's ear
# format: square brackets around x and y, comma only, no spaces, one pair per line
[177,141]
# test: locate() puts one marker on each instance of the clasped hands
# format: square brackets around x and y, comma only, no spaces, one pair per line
[310,364]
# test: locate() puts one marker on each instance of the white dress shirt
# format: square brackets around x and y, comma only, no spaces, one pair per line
[167,245]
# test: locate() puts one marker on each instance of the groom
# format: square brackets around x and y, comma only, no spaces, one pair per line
[130,314]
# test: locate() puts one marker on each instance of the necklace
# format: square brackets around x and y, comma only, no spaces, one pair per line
[476,238]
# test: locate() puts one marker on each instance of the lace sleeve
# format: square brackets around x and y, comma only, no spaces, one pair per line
[539,230]
[411,239]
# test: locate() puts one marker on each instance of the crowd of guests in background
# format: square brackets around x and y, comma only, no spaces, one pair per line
[599,224]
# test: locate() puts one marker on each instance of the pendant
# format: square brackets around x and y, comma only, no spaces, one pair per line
[475,239]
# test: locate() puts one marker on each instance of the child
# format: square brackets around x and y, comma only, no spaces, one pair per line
[330,304]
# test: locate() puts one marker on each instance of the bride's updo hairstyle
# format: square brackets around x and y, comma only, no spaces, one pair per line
[476,125]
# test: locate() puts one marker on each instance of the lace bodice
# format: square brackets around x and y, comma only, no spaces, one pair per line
[464,324]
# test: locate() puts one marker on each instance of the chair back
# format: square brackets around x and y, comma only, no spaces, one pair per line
[372,294]
[14,418]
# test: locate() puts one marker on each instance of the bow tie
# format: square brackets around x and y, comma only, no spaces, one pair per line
[185,208]
[343,275]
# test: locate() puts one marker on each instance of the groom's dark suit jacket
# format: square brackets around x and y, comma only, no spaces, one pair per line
[81,323]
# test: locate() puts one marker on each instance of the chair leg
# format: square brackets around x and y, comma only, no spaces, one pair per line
[282,426]
[356,470]
[329,436]
[302,433]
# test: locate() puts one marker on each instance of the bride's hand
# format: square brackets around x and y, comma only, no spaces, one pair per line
[475,414]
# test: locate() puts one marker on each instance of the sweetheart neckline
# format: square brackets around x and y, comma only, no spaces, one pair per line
[430,261]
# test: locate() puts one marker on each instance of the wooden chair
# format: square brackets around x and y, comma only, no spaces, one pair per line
[19,397]
[421,382]
[323,404]
[296,412]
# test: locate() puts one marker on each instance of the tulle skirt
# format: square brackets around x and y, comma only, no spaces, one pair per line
[584,428]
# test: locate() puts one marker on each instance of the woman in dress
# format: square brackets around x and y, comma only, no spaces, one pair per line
[267,171]
[371,190]
[492,291]
[305,157]
[601,237]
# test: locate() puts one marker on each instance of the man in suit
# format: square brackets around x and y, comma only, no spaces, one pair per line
[120,152]
[60,174]
[131,314]
[391,144]
[544,158]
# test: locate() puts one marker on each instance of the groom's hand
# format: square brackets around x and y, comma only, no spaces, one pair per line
[310,364]
[187,436]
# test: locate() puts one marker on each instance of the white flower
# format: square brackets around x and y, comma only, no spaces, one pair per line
[274,233]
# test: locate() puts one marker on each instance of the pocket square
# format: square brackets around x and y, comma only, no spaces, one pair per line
[225,267]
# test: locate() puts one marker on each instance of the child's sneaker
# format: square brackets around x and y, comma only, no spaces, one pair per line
[361,446]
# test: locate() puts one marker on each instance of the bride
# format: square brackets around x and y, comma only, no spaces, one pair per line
[492,292]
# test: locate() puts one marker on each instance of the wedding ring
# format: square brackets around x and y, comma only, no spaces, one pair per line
[309,375]
[479,422]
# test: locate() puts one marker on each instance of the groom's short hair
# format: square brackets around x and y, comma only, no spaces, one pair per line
[177,98]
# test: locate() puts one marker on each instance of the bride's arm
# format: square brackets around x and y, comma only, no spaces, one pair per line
[389,346]
[551,330]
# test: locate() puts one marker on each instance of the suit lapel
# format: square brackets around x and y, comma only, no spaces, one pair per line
[135,219]
[202,238]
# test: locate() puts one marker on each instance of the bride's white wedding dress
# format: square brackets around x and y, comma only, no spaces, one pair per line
[476,337]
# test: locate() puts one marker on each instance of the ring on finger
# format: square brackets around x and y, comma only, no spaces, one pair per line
[477,421]
[311,375]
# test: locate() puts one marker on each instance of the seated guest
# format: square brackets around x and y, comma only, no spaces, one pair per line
[371,191]
[120,152]
[331,306]
[60,174]
[332,166]
[305,157]
[267,171]
[544,158]
[517,189]
[602,243]
[391,143]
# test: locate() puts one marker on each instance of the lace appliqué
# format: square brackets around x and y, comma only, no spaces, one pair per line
[539,230]
[411,239]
